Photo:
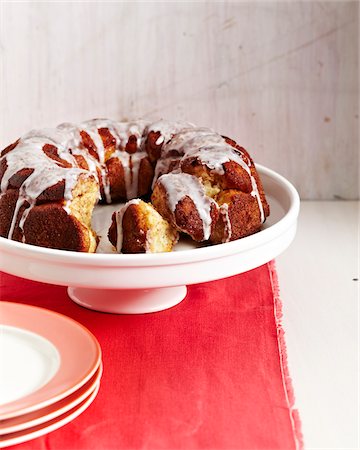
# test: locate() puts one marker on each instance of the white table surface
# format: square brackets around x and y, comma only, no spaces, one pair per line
[320,293]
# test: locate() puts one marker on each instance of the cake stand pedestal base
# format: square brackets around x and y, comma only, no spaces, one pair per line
[127,301]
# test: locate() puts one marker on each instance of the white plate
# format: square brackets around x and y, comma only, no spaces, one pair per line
[48,413]
[52,425]
[28,361]
[151,282]
[62,355]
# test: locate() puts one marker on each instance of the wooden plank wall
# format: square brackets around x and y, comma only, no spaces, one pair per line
[279,77]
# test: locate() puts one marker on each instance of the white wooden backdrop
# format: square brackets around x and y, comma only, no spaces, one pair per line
[279,77]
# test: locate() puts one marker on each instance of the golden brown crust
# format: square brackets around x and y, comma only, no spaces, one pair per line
[242,150]
[264,202]
[116,178]
[131,146]
[17,179]
[188,220]
[50,214]
[112,231]
[242,213]
[49,225]
[81,162]
[89,144]
[186,217]
[152,149]
[109,142]
[254,173]
[134,229]
[143,230]
[52,152]
[51,194]
[7,208]
[9,148]
[234,177]
[146,175]
[159,201]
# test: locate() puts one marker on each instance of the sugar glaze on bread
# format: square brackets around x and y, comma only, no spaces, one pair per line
[201,183]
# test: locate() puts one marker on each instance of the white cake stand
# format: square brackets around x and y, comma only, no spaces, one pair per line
[143,283]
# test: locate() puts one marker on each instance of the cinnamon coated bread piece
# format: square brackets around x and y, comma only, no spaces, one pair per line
[138,228]
[239,216]
[227,175]
[46,200]
[50,221]
[182,200]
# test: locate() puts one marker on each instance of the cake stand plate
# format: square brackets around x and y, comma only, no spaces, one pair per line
[143,283]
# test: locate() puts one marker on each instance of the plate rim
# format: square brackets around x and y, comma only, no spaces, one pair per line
[60,386]
[71,402]
[52,425]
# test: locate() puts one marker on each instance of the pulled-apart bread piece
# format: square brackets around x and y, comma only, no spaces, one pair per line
[181,199]
[239,216]
[138,228]
[45,200]
[221,167]
[223,173]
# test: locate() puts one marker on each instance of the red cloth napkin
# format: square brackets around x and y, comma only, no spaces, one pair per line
[209,373]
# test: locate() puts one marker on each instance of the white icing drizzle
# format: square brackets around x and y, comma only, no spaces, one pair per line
[53,136]
[121,131]
[224,211]
[163,167]
[180,140]
[106,184]
[181,144]
[119,215]
[255,193]
[160,140]
[180,185]
[126,129]
[215,155]
[46,173]
[23,219]
[130,162]
[211,149]
[202,139]
[92,127]
[167,129]
[131,165]
[74,144]
[18,205]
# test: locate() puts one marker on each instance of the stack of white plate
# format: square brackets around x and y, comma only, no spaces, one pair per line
[50,370]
